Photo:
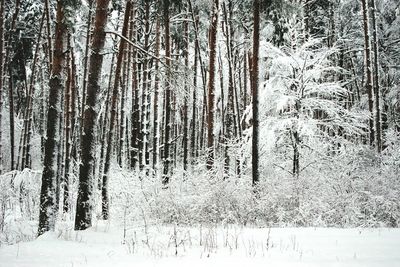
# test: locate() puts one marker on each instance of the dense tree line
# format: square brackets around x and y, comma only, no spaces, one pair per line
[163,85]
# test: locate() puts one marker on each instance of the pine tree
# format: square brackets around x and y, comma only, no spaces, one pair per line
[114,96]
[186,94]
[254,88]
[156,131]
[29,110]
[47,211]
[167,101]
[377,95]
[1,80]
[211,83]
[86,55]
[11,82]
[368,69]
[83,218]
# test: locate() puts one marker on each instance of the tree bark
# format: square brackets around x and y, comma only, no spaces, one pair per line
[114,96]
[47,211]
[194,104]
[83,218]
[156,131]
[49,43]
[254,81]
[167,101]
[368,69]
[135,112]
[85,59]
[377,94]
[67,126]
[211,84]
[29,110]
[186,95]
[1,80]
[143,140]
[11,84]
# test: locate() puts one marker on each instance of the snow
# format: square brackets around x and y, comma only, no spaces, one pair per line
[231,245]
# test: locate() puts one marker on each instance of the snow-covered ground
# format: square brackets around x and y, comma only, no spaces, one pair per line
[104,245]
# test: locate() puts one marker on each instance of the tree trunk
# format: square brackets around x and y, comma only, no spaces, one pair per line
[67,127]
[49,43]
[156,131]
[29,110]
[195,19]
[11,84]
[186,96]
[368,69]
[124,85]
[1,80]
[47,194]
[83,218]
[106,116]
[167,101]
[85,60]
[378,128]
[231,126]
[114,96]
[254,81]
[135,112]
[74,89]
[144,132]
[43,105]
[194,106]
[60,151]
[211,84]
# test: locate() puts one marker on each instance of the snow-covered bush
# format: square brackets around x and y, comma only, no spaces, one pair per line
[353,187]
[19,205]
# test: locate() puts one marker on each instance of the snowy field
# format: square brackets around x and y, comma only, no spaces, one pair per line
[105,245]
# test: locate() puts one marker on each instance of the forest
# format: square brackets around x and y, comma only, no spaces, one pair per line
[254,113]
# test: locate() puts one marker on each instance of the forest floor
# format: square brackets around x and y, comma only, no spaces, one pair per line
[152,245]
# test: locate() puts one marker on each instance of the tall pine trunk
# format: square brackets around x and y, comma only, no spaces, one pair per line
[48,27]
[377,113]
[67,126]
[85,59]
[156,131]
[135,112]
[186,96]
[26,160]
[143,140]
[47,211]
[11,84]
[83,218]
[1,80]
[167,101]
[114,96]
[211,83]
[368,69]
[254,88]
[193,142]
